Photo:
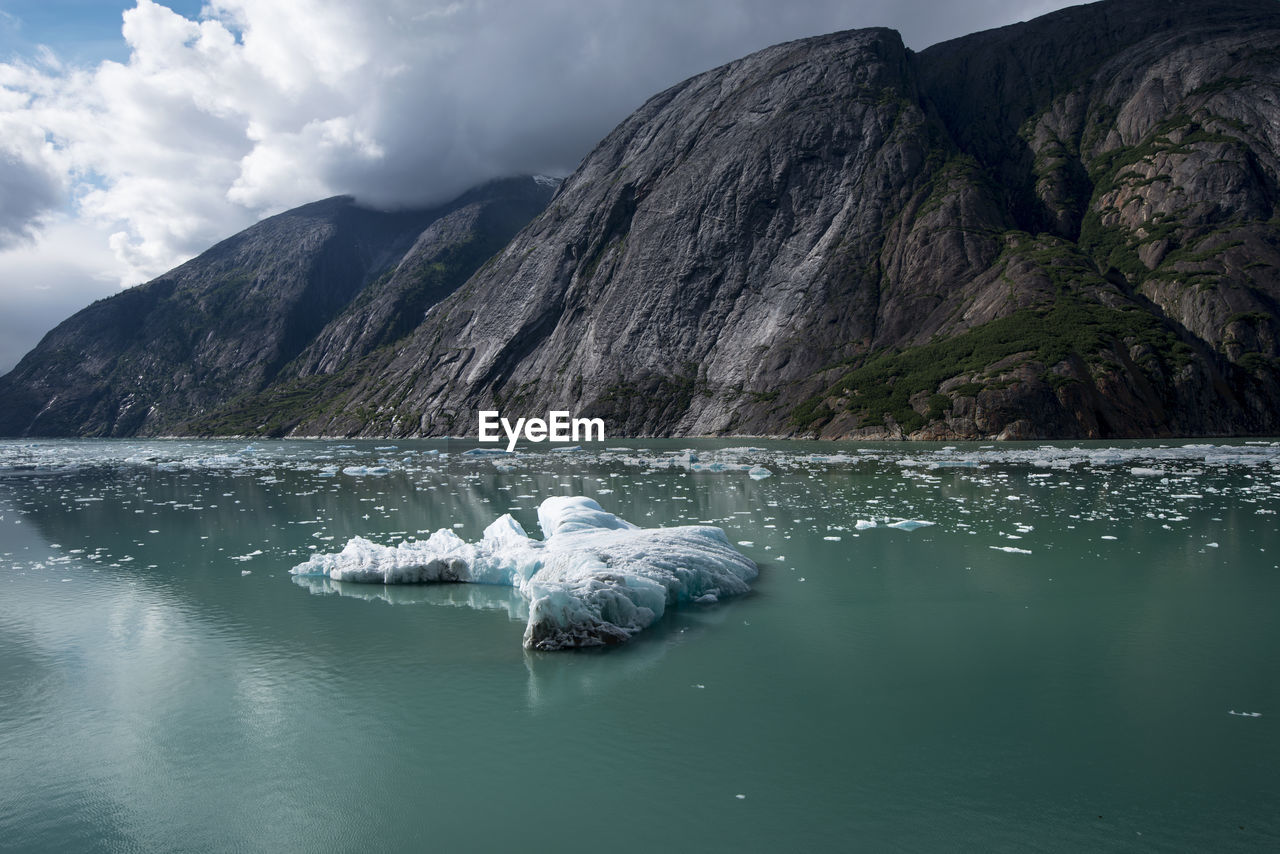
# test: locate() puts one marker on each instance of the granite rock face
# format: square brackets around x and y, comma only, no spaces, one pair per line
[1062,228]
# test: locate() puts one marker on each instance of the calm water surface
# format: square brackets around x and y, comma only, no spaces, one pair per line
[1080,654]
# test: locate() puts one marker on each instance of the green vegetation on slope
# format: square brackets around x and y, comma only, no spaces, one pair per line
[272,412]
[886,382]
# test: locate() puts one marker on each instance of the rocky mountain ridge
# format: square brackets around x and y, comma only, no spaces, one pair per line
[1058,229]
[308,291]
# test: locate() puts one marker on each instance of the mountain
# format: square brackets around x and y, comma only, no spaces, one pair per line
[302,294]
[1062,228]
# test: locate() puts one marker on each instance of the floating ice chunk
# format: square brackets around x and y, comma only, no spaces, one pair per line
[1012,550]
[910,524]
[360,471]
[758,473]
[444,556]
[595,578]
[863,524]
[486,452]
[1143,471]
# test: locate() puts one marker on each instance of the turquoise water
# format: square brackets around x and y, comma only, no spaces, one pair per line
[1054,664]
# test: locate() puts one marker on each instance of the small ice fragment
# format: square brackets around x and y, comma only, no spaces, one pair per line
[1211,545]
[1142,471]
[1011,550]
[910,524]
[833,538]
[1106,537]
[741,797]
[246,572]
[758,473]
[863,524]
[359,471]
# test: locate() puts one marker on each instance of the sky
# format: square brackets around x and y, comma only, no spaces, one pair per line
[134,135]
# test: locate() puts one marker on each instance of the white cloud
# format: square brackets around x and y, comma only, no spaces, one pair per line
[65,267]
[32,183]
[266,104]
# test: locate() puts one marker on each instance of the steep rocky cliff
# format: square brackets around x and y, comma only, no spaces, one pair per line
[1059,228]
[302,293]
[1062,228]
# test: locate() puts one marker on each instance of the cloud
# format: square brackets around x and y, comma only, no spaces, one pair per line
[27,193]
[47,278]
[262,105]
[31,183]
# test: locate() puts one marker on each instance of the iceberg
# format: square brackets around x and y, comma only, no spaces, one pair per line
[593,579]
[910,524]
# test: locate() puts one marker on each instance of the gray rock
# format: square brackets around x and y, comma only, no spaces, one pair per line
[736,256]
[1063,228]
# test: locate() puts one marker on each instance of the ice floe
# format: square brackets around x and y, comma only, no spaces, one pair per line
[593,579]
[910,524]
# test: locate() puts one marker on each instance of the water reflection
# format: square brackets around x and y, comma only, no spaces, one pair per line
[482,597]
[553,677]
